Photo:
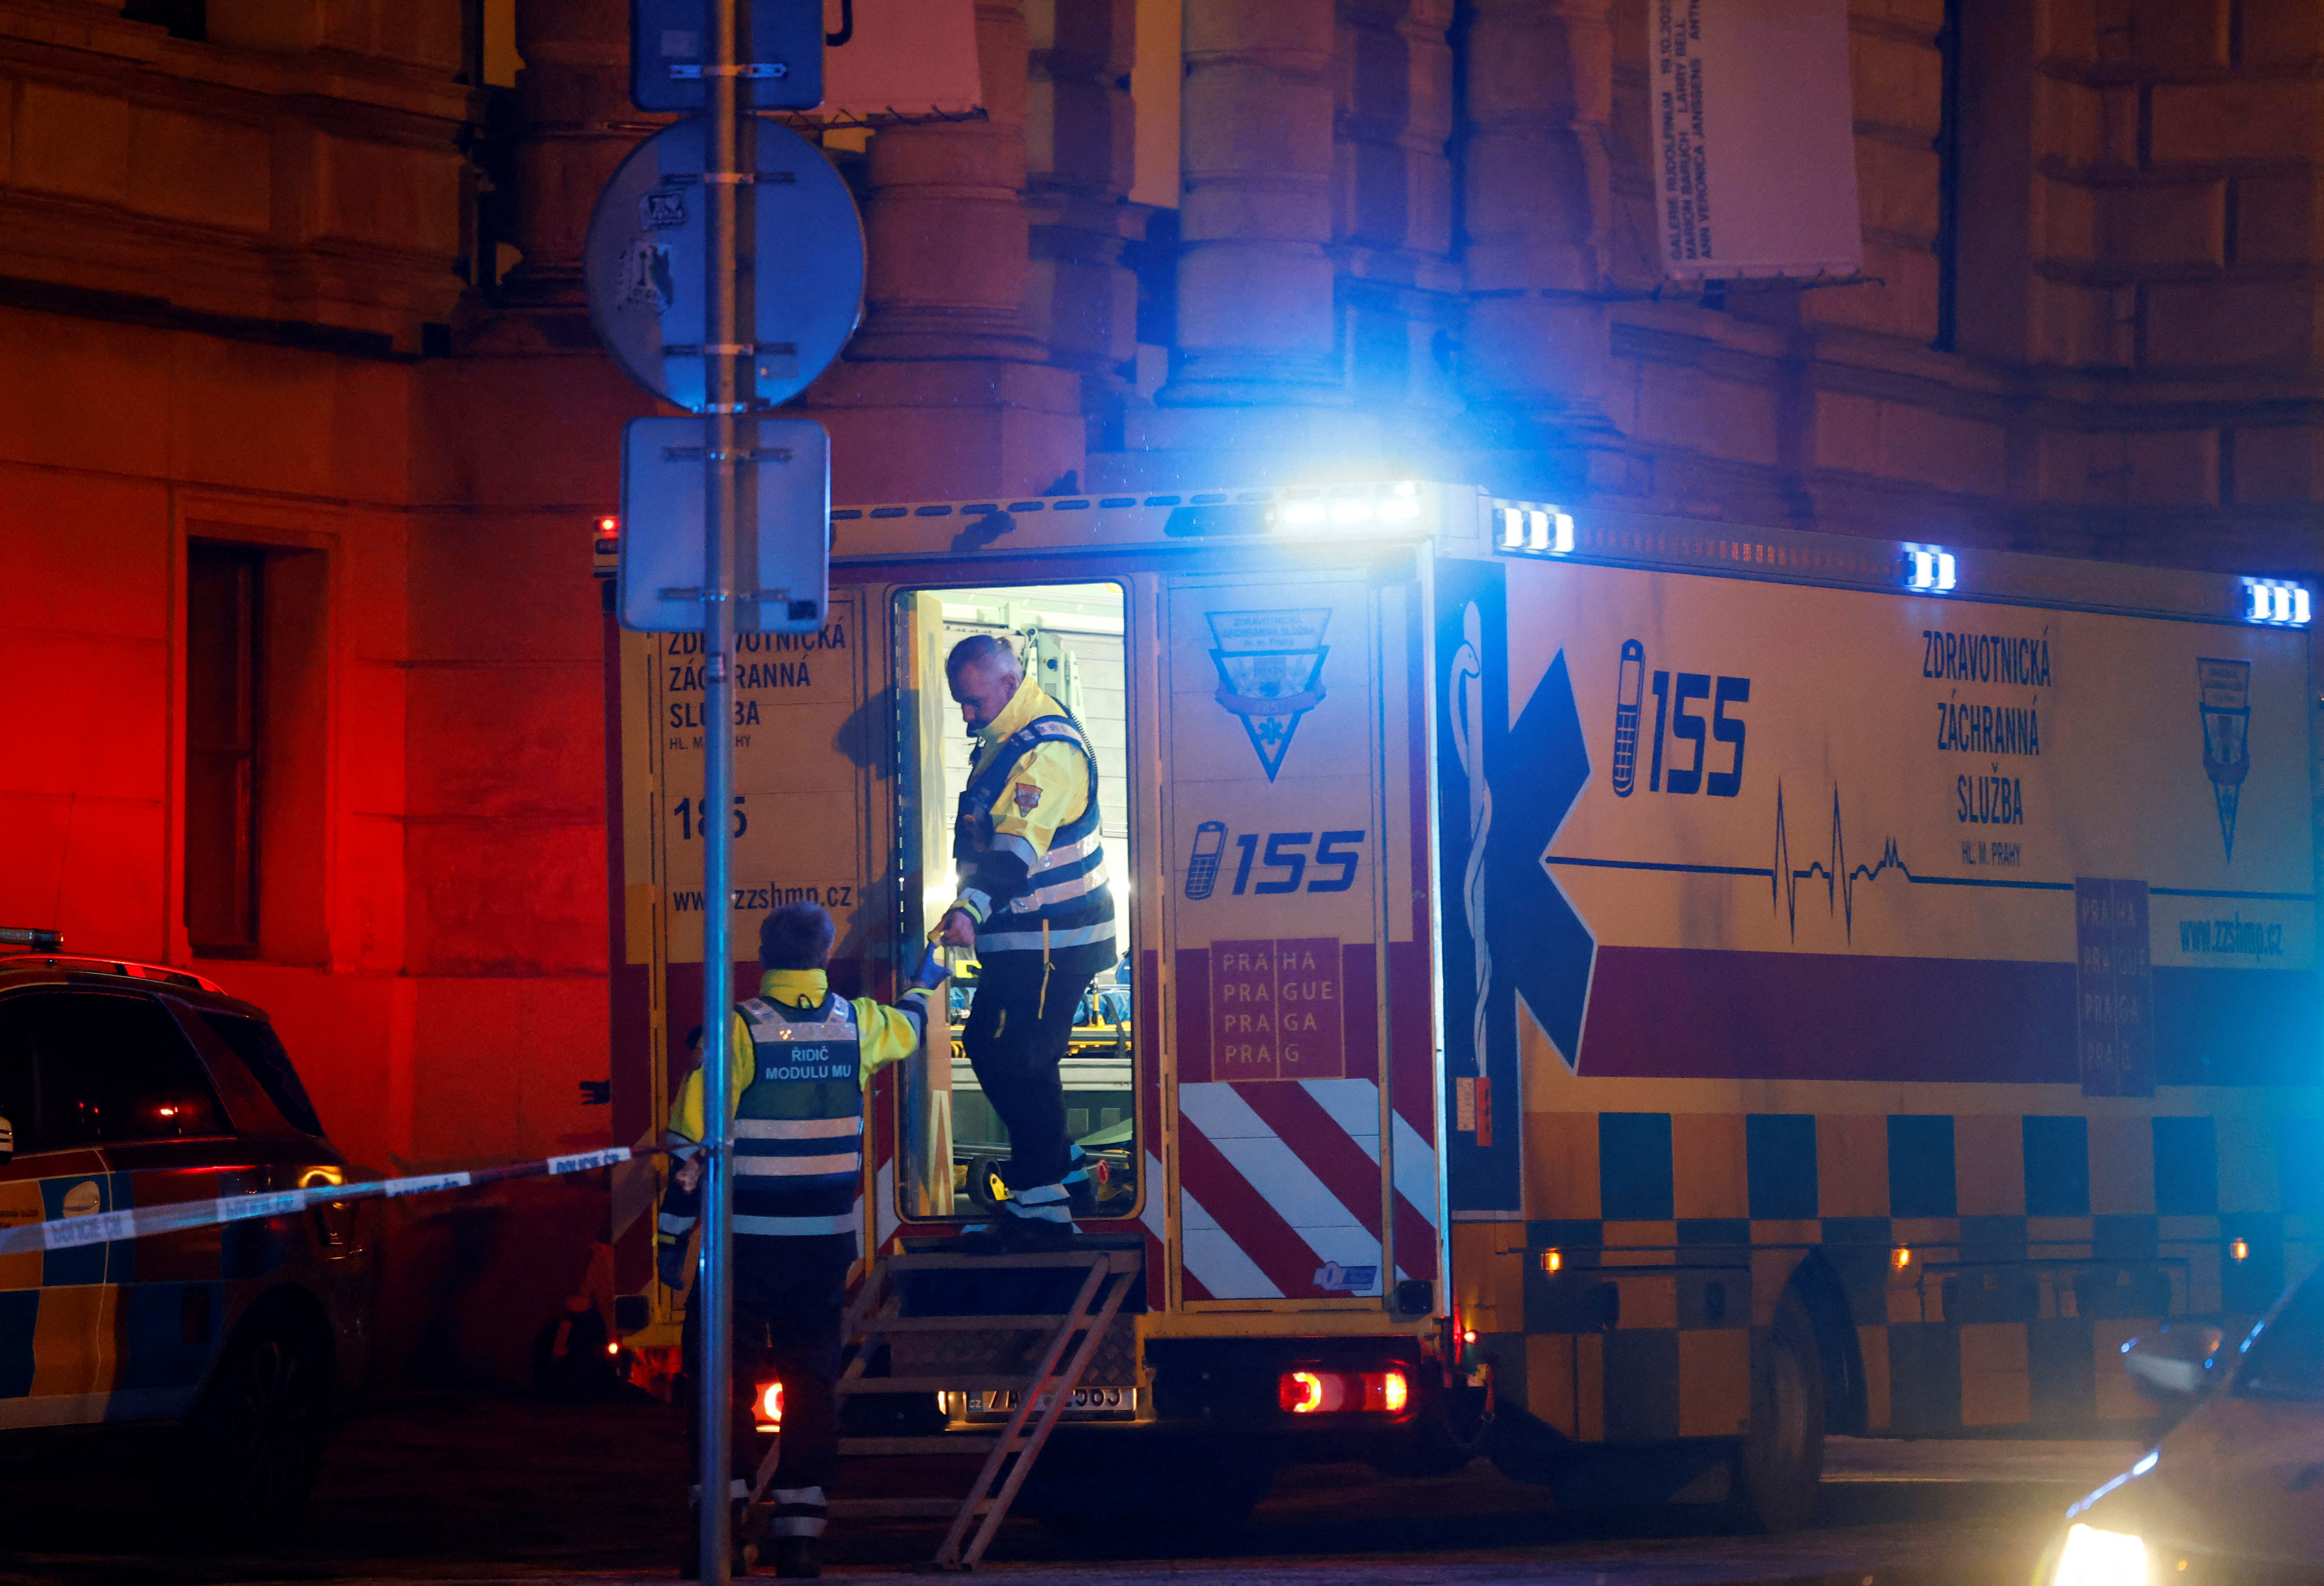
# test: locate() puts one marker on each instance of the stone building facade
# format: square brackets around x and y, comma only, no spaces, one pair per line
[292,281]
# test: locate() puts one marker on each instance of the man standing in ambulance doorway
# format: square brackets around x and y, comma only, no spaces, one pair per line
[1035,907]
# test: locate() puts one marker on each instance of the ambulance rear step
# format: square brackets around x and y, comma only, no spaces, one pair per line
[1072,1339]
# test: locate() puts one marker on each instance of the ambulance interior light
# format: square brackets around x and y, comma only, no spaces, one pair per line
[767,1407]
[2276,603]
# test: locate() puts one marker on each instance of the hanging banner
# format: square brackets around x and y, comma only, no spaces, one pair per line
[1754,138]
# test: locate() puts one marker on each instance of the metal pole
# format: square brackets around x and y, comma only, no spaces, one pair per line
[727,378]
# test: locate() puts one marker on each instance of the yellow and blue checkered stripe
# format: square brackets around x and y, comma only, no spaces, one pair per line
[117,1330]
[1986,1269]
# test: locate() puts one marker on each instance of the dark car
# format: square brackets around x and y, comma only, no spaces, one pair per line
[2234,1490]
[125,1085]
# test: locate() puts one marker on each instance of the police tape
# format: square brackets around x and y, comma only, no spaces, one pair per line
[97,1228]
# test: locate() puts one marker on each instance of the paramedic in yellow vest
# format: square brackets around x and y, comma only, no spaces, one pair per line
[801,1057]
[1035,906]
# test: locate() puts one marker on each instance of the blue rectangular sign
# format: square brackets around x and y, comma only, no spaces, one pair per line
[669,46]
[785,566]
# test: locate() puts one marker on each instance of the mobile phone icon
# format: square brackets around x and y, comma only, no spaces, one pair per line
[1629,693]
[1202,865]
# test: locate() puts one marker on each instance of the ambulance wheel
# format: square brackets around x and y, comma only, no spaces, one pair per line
[256,1437]
[1780,1463]
[986,1186]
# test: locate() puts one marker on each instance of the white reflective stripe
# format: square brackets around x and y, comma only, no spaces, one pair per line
[1278,1172]
[766,1020]
[796,1167]
[1156,1222]
[1213,1259]
[884,1221]
[1020,941]
[797,1526]
[808,1495]
[1355,1106]
[1009,843]
[1067,853]
[981,901]
[1059,891]
[669,1223]
[796,1128]
[1415,1169]
[1057,1211]
[1040,1194]
[801,1227]
[776,1029]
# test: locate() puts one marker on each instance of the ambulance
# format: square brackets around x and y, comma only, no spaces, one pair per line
[1623,995]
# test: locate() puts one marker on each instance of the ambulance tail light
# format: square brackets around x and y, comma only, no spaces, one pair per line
[605,546]
[1339,1393]
[767,1406]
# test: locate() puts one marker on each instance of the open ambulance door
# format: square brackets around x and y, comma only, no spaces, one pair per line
[938,1149]
[1295,918]
[806,756]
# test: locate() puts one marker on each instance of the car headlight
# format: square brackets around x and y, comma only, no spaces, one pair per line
[2092,1557]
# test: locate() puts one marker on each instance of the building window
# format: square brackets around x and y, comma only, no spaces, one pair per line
[225,610]
[185,19]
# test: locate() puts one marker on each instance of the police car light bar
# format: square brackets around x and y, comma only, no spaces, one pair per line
[2275,603]
[1928,566]
[1529,529]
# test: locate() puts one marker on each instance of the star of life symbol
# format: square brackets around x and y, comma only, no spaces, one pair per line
[1270,664]
[2225,690]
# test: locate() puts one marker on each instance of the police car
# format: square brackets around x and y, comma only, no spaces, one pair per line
[126,1085]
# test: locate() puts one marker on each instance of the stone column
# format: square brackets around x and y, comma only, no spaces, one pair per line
[1078,135]
[578,125]
[944,393]
[1392,207]
[1537,211]
[1255,300]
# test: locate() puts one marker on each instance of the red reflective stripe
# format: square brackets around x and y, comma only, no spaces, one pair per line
[1273,1245]
[1299,1121]
[1331,1154]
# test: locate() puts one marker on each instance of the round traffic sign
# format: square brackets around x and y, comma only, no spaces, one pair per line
[648,241]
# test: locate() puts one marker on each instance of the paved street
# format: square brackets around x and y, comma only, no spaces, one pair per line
[472,1487]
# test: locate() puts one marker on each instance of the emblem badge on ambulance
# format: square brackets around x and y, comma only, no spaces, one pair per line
[2225,688]
[1270,673]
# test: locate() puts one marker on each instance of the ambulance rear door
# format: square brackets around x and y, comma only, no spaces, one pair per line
[1293,916]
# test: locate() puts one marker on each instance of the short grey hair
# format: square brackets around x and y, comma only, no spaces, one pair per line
[981,649]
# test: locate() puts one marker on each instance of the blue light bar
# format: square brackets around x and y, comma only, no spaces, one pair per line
[1530,529]
[2277,604]
[1928,566]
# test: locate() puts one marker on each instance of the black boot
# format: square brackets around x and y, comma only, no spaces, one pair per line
[796,1558]
[690,1562]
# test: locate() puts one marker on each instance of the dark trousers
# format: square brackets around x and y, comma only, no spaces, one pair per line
[1016,1036]
[789,1295]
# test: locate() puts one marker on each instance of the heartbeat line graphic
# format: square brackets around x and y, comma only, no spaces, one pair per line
[1839,880]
